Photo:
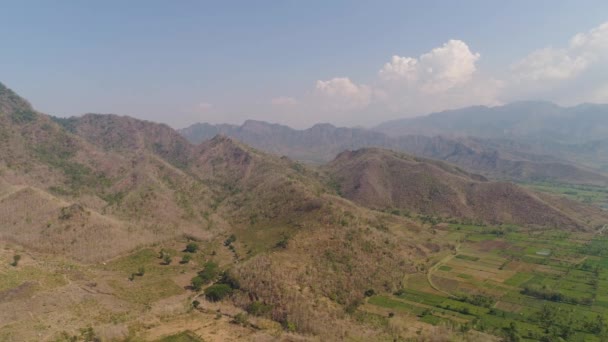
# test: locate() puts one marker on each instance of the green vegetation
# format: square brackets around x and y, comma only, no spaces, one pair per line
[498,283]
[588,194]
[210,272]
[191,247]
[185,259]
[218,292]
[16,259]
[24,116]
[258,308]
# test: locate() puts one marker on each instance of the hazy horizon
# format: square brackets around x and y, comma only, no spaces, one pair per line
[348,64]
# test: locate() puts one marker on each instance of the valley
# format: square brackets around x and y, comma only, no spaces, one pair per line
[119,229]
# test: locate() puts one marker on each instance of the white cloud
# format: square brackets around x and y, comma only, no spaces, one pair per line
[284,101]
[340,93]
[204,106]
[436,71]
[448,77]
[568,75]
[550,64]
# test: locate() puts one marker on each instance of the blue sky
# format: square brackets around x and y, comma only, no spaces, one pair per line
[298,62]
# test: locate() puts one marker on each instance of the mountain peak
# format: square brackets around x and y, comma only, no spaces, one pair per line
[11,102]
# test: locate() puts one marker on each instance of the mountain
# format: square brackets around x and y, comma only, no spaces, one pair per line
[322,142]
[534,121]
[98,210]
[87,202]
[386,180]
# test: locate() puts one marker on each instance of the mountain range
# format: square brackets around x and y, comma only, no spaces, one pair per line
[87,200]
[499,159]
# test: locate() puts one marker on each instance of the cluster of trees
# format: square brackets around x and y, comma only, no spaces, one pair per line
[223,285]
[477,300]
[543,292]
[190,249]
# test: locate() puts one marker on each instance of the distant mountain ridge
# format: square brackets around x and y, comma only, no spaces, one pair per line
[322,142]
[535,121]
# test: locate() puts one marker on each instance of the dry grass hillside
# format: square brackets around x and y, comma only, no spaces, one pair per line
[383,179]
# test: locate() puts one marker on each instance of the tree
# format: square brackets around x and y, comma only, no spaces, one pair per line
[210,272]
[546,316]
[16,259]
[197,283]
[191,247]
[217,292]
[512,335]
[167,259]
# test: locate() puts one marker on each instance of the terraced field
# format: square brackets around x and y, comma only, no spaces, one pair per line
[511,282]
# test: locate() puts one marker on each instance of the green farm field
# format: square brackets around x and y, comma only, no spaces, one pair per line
[511,282]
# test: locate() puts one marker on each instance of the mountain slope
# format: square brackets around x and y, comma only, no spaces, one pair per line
[97,187]
[384,179]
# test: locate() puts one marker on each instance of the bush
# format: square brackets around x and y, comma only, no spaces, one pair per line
[191,247]
[195,304]
[230,240]
[186,259]
[16,259]
[217,292]
[229,280]
[258,308]
[167,259]
[240,319]
[369,293]
[197,283]
[209,272]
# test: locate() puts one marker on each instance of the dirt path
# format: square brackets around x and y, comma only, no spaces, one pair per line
[429,274]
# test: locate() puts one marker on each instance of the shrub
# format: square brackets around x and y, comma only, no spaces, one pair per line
[16,259]
[369,293]
[197,283]
[283,242]
[240,319]
[185,259]
[258,308]
[167,259]
[195,304]
[229,280]
[230,240]
[217,292]
[141,271]
[210,272]
[191,247]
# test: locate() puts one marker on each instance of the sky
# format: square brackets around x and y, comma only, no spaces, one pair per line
[296,62]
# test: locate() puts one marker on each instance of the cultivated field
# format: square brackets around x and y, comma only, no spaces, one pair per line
[510,282]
